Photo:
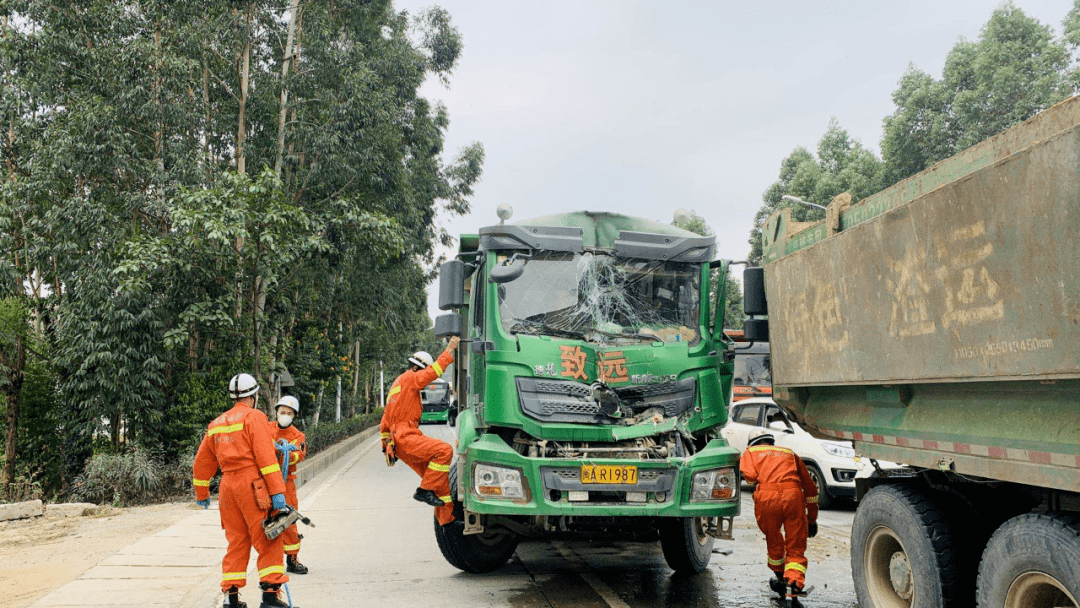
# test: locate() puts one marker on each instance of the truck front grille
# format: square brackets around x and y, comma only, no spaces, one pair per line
[569,401]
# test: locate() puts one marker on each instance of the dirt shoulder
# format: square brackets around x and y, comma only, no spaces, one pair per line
[44,553]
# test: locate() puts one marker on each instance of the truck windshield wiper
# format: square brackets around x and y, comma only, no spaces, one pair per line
[547,329]
[617,335]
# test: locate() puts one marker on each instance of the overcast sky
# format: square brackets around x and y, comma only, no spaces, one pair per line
[642,107]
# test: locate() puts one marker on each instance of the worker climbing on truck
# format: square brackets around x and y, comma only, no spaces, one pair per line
[401,436]
[290,443]
[784,496]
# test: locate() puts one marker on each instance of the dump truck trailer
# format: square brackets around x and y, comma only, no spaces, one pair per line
[593,380]
[937,324]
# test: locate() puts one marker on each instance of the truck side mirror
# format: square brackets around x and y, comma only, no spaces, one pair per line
[451,286]
[754,302]
[756,330]
[450,324]
[510,271]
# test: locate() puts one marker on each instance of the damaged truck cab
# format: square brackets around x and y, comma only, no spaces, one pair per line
[593,382]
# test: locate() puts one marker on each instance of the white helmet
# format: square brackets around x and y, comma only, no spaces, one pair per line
[421,358]
[759,436]
[290,402]
[242,385]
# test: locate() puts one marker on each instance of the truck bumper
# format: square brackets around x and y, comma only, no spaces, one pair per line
[663,488]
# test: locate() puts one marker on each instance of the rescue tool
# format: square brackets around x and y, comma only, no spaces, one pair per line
[279,521]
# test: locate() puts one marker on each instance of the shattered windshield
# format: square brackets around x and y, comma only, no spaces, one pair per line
[603,299]
[752,370]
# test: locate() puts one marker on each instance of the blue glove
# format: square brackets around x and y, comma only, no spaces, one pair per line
[277,501]
[203,503]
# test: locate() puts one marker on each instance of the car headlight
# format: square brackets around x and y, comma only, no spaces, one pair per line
[839,450]
[714,484]
[498,482]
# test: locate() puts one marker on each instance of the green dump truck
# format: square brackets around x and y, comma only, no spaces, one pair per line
[937,324]
[592,381]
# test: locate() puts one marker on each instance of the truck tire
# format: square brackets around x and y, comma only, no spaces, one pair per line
[473,553]
[1032,561]
[904,552]
[687,549]
[824,499]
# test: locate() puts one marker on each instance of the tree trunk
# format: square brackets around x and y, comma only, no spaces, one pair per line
[206,116]
[159,128]
[318,409]
[245,75]
[286,61]
[13,389]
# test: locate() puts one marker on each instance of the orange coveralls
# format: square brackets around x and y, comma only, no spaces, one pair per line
[296,437]
[240,443]
[429,457]
[784,495]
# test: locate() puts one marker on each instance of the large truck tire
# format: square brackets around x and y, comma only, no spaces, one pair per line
[473,553]
[904,552]
[687,548]
[1032,561]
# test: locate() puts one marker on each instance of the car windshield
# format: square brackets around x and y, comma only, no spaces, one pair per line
[752,370]
[601,298]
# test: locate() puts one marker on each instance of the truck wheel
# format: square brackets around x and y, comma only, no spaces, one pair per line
[903,552]
[687,548]
[1032,561]
[475,553]
[824,499]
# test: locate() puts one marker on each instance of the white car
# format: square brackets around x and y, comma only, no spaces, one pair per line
[832,464]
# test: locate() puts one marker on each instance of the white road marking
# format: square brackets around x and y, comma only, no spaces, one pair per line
[606,593]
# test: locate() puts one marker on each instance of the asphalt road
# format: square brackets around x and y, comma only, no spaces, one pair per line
[374,546]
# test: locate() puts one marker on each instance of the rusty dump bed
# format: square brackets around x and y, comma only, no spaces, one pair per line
[938,322]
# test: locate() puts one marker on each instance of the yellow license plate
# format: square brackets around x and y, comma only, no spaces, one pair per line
[606,473]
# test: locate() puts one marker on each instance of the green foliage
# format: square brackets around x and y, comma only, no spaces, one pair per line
[132,478]
[842,165]
[1013,71]
[143,231]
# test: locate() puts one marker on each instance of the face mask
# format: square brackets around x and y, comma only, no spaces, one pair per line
[284,420]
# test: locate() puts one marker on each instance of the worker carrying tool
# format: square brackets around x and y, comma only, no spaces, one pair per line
[240,443]
[290,444]
[784,496]
[401,436]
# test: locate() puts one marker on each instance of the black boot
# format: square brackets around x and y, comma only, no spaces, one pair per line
[232,599]
[271,597]
[292,564]
[793,594]
[778,585]
[429,497]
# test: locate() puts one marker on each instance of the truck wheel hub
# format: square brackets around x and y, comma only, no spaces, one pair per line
[900,575]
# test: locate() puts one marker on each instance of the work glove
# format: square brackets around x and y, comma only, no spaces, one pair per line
[204,503]
[812,526]
[284,446]
[390,453]
[277,501]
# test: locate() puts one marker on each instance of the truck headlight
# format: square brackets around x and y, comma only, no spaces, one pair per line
[839,450]
[500,482]
[714,484]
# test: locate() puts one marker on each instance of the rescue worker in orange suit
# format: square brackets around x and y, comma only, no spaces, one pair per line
[241,444]
[402,439]
[290,440]
[784,496]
